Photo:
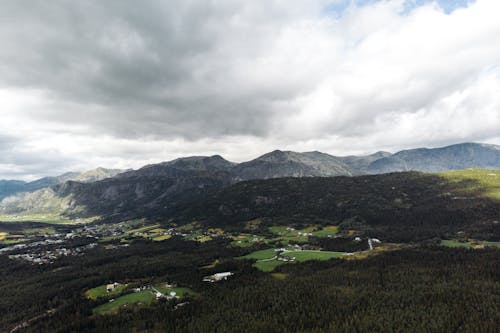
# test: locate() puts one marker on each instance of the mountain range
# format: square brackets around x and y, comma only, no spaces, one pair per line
[10,187]
[158,188]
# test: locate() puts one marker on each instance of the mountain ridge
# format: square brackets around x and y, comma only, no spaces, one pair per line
[11,187]
[158,187]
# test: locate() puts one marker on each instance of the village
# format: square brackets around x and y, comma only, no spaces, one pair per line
[44,245]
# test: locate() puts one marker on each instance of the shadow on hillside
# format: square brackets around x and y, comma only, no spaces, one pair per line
[406,206]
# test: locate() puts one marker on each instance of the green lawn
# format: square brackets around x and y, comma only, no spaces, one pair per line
[314,255]
[268,266]
[142,297]
[454,243]
[100,292]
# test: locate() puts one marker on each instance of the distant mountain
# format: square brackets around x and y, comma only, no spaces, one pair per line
[127,195]
[154,190]
[8,187]
[49,181]
[455,157]
[11,187]
[202,163]
[279,164]
[359,164]
[94,175]
[183,167]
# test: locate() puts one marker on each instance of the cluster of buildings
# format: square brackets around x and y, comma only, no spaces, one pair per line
[49,256]
[22,246]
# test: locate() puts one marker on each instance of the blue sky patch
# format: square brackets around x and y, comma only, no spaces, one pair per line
[338,7]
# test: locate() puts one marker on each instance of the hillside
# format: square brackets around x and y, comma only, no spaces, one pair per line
[399,206]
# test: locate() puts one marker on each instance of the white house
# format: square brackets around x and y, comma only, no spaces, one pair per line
[217,277]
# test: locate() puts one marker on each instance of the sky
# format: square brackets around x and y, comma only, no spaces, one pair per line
[124,83]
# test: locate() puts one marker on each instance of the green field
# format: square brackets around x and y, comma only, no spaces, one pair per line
[247,240]
[100,292]
[143,229]
[481,181]
[315,255]
[329,231]
[287,234]
[40,231]
[267,262]
[470,244]
[268,266]
[45,218]
[161,238]
[142,297]
[12,241]
[259,255]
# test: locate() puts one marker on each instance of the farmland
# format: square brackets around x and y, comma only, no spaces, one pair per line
[143,297]
[286,234]
[101,292]
[269,259]
[127,296]
[45,218]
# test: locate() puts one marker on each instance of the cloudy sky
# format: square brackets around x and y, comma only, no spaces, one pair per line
[125,83]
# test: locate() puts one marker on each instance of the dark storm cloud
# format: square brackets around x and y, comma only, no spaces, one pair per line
[151,67]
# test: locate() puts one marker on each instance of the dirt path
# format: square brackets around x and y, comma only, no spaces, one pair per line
[27,323]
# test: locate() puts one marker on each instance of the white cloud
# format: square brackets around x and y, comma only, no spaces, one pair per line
[122,84]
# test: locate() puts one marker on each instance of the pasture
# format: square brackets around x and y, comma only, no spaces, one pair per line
[267,260]
[100,292]
[142,297]
[482,182]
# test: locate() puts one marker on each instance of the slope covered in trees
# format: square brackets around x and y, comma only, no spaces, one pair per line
[422,289]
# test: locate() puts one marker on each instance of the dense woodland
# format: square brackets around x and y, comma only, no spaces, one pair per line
[399,207]
[424,289]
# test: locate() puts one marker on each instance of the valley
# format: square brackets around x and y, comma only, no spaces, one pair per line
[208,251]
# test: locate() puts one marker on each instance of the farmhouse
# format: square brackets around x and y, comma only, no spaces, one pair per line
[286,258]
[110,287]
[217,277]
